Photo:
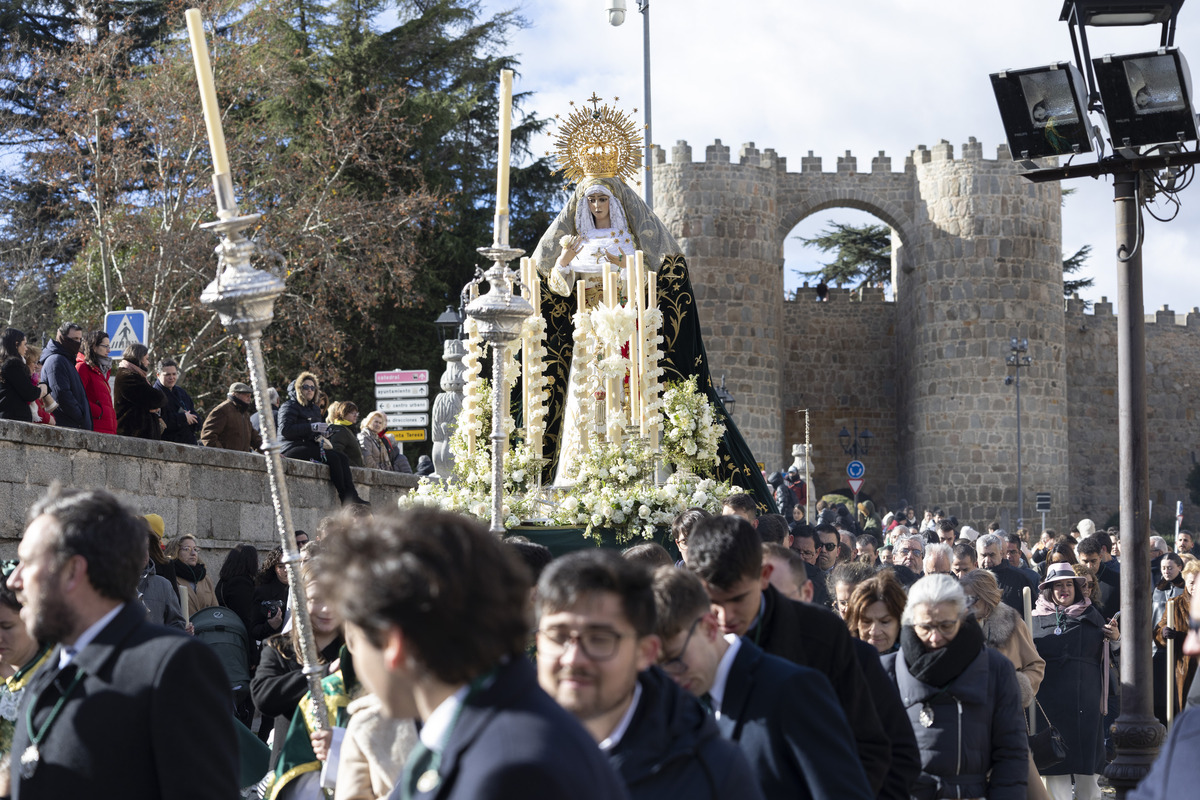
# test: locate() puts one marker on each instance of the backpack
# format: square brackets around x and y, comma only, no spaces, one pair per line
[223,630]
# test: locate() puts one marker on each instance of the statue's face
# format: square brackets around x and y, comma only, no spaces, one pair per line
[598,204]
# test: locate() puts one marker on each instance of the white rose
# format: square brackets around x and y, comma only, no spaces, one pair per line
[597,519]
[644,512]
[699,498]
[519,475]
[618,517]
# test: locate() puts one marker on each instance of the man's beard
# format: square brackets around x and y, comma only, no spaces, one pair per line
[54,620]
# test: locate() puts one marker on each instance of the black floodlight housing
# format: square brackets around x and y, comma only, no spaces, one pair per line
[1147,97]
[1043,110]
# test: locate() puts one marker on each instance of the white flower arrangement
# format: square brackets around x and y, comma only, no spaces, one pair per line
[691,431]
[472,379]
[534,332]
[614,326]
[652,319]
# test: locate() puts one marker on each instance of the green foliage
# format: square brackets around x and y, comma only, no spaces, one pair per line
[864,254]
[1073,264]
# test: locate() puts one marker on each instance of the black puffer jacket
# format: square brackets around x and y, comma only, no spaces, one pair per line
[296,417]
[673,749]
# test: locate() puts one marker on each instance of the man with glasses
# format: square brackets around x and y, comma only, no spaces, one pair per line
[596,649]
[827,546]
[910,553]
[681,528]
[60,375]
[435,618]
[766,704]
[179,412]
[726,554]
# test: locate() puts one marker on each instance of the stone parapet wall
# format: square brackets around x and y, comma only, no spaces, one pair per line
[219,496]
[841,366]
[1173,424]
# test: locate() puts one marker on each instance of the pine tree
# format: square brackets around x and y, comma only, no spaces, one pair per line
[864,254]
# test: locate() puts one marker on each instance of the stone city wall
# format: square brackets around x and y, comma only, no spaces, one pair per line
[1173,425]
[219,496]
[841,365]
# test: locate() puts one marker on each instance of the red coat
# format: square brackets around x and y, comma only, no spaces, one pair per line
[99,395]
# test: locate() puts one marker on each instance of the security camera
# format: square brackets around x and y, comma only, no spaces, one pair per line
[616,12]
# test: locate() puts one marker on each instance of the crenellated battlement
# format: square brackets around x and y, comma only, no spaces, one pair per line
[749,155]
[1102,312]
[839,296]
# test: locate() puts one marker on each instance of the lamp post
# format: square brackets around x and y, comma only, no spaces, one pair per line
[726,398]
[1145,99]
[857,445]
[616,17]
[1018,361]
[448,404]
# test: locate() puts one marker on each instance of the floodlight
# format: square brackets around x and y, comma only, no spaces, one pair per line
[1043,111]
[1147,97]
[1111,13]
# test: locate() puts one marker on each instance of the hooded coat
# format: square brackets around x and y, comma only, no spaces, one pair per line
[99,395]
[673,748]
[296,417]
[58,372]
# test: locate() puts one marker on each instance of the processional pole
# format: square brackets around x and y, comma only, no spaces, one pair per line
[244,298]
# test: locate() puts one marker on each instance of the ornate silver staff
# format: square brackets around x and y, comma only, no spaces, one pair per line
[244,298]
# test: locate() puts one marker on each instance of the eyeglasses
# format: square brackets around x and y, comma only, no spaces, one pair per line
[598,644]
[101,347]
[308,387]
[189,549]
[945,628]
[676,665]
[905,551]
[681,542]
[828,546]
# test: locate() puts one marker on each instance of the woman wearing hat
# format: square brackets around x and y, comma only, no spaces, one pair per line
[1072,637]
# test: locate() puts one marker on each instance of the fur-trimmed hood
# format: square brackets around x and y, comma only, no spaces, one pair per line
[294,392]
[999,626]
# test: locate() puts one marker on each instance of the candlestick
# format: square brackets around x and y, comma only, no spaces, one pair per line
[208,91]
[500,229]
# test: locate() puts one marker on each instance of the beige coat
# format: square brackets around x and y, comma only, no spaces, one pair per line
[374,750]
[201,597]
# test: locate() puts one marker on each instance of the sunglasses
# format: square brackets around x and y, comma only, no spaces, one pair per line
[828,546]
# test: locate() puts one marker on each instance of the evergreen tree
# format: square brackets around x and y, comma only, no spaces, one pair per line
[864,254]
[1073,264]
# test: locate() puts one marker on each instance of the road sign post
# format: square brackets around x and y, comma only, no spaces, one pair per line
[403,396]
[1043,506]
[125,329]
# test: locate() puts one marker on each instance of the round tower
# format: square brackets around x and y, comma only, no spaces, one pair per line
[724,217]
[987,267]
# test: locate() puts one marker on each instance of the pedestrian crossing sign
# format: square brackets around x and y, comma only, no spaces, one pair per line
[124,328]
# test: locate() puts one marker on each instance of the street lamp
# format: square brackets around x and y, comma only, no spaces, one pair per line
[616,17]
[1017,360]
[449,323]
[726,398]
[856,444]
[1145,100]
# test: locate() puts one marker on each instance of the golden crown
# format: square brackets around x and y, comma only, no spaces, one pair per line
[600,142]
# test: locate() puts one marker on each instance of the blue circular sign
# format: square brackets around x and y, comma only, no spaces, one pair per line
[855,469]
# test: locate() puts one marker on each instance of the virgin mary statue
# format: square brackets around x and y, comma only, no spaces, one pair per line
[604,220]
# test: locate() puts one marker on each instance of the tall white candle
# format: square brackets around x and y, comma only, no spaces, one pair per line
[208,91]
[506,77]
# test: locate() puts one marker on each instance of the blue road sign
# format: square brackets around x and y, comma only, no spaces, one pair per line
[124,328]
[855,469]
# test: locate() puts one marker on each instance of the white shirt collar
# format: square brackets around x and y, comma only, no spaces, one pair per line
[614,738]
[433,732]
[717,692]
[67,654]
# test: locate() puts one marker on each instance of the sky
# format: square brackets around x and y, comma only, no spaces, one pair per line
[863,76]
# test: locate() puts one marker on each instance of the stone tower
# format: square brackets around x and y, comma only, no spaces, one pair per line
[724,216]
[987,267]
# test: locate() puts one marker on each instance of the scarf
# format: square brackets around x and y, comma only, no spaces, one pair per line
[132,367]
[102,363]
[192,575]
[1044,608]
[939,667]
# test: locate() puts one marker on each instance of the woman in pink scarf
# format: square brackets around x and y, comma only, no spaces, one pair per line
[1073,638]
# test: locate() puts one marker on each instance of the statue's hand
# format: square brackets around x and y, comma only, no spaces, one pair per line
[612,259]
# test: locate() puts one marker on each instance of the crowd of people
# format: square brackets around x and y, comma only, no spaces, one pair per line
[457,664]
[73,383]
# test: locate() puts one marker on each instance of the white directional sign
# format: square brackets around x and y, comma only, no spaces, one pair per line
[391,406]
[401,390]
[407,420]
[124,329]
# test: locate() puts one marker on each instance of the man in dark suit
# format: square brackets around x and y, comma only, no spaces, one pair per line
[1092,552]
[727,557]
[435,617]
[784,717]
[123,708]
[990,548]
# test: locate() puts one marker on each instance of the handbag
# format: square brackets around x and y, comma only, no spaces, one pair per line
[1047,746]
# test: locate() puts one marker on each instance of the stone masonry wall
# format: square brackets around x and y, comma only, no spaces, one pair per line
[219,496]
[841,366]
[1172,381]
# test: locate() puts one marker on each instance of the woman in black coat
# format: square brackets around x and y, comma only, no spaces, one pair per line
[235,586]
[1071,635]
[16,389]
[303,435]
[137,402]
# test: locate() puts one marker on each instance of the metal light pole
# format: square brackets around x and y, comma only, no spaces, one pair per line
[616,16]
[1018,361]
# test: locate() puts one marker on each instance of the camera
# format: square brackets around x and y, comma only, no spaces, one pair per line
[273,607]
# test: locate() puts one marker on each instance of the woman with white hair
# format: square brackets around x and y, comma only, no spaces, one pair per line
[1072,637]
[378,450]
[961,697]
